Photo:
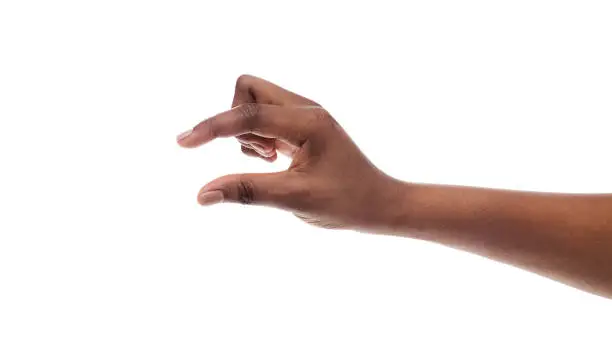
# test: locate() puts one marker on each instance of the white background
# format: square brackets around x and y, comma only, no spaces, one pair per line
[101,238]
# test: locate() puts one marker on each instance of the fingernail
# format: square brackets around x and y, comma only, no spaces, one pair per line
[265,153]
[261,149]
[210,197]
[184,135]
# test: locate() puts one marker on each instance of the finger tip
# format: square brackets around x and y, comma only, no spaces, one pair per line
[188,142]
[270,158]
[210,197]
[183,135]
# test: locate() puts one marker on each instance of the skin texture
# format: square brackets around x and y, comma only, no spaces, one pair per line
[331,184]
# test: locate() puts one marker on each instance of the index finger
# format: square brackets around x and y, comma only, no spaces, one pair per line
[290,124]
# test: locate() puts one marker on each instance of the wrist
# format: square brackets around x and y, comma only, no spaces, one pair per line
[395,206]
[414,210]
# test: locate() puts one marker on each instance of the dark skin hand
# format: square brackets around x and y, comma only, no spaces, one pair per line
[330,183]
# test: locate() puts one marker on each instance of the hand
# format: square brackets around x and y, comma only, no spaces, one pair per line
[330,183]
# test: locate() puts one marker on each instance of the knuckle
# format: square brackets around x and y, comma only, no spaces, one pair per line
[243,81]
[312,103]
[245,191]
[209,126]
[249,113]
[322,118]
[212,127]
[320,113]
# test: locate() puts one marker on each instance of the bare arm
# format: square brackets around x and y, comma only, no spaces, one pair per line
[565,237]
[330,183]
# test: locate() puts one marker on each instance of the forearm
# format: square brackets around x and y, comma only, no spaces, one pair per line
[564,237]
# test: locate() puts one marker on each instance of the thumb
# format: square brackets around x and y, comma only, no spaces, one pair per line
[272,189]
